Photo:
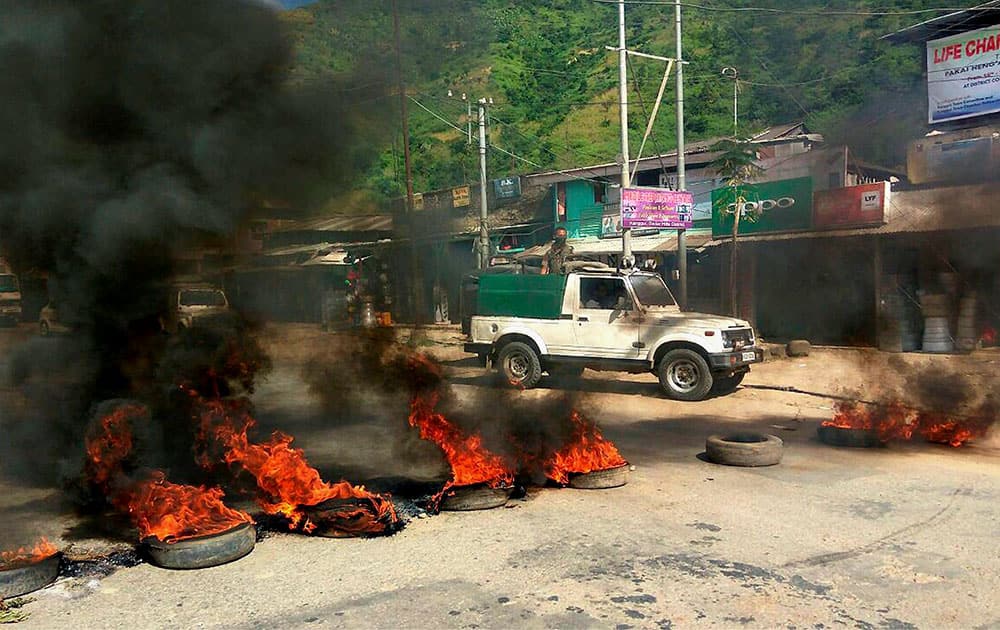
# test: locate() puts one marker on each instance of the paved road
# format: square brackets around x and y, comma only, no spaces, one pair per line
[896,538]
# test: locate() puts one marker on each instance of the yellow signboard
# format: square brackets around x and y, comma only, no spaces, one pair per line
[460,196]
[418,201]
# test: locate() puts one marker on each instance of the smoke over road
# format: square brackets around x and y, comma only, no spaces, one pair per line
[134,130]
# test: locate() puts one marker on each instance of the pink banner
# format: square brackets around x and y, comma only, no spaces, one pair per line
[657,208]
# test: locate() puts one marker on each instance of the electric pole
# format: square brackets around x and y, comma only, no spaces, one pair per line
[417,278]
[623,107]
[484,236]
[681,174]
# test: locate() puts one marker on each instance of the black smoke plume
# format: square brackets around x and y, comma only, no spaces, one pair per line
[135,130]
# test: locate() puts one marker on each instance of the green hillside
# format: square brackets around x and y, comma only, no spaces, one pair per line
[554,85]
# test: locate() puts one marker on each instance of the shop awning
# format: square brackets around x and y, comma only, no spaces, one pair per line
[654,244]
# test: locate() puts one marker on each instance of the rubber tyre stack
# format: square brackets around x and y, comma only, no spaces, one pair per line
[937,336]
[966,337]
[744,449]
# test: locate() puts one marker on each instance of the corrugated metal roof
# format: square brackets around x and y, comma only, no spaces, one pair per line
[344,223]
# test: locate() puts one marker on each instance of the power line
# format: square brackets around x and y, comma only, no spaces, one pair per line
[824,13]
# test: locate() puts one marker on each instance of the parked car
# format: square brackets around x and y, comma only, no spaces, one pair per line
[194,305]
[49,323]
[606,319]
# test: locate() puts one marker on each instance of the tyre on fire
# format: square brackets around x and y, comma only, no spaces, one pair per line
[519,364]
[23,579]
[685,375]
[744,449]
[853,438]
[203,551]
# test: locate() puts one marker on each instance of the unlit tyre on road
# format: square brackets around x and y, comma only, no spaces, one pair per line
[203,551]
[744,449]
[685,375]
[519,364]
[23,579]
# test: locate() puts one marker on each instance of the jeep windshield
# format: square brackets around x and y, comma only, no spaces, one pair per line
[8,283]
[651,291]
[202,297]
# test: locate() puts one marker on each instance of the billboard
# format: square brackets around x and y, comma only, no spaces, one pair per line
[853,206]
[656,208]
[781,206]
[963,75]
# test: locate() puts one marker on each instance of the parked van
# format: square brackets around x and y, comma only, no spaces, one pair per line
[194,305]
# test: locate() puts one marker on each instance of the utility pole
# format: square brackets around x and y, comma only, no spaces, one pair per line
[417,277]
[623,107]
[681,174]
[484,236]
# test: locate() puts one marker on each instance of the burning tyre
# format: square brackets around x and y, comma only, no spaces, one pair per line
[21,577]
[601,479]
[202,551]
[744,449]
[475,497]
[854,438]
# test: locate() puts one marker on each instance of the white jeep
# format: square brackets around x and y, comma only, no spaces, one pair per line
[605,319]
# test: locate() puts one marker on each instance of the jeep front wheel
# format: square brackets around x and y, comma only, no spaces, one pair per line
[685,375]
[519,364]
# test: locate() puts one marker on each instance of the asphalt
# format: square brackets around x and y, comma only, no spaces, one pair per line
[898,537]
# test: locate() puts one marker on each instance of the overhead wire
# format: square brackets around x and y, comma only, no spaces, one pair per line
[805,12]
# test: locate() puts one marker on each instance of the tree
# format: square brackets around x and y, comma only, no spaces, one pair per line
[737,166]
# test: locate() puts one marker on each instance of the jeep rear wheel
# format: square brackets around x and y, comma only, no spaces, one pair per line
[519,364]
[685,375]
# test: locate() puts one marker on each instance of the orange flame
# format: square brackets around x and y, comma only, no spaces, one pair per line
[587,450]
[288,484]
[471,462]
[896,421]
[23,556]
[158,508]
[172,512]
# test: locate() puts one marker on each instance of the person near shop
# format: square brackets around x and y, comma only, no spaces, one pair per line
[554,260]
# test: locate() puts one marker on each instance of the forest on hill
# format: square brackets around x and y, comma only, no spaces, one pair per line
[554,85]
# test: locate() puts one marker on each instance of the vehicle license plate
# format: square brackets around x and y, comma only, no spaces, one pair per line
[749,356]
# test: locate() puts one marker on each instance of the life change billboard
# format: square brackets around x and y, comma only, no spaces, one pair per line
[963,75]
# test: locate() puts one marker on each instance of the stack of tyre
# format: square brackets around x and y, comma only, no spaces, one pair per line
[936,308]
[966,337]
[899,317]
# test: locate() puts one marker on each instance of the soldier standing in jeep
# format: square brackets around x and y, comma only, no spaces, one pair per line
[554,260]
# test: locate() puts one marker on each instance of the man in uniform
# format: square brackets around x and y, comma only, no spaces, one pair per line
[554,260]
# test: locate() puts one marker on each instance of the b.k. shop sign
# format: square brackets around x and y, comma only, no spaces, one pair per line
[781,206]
